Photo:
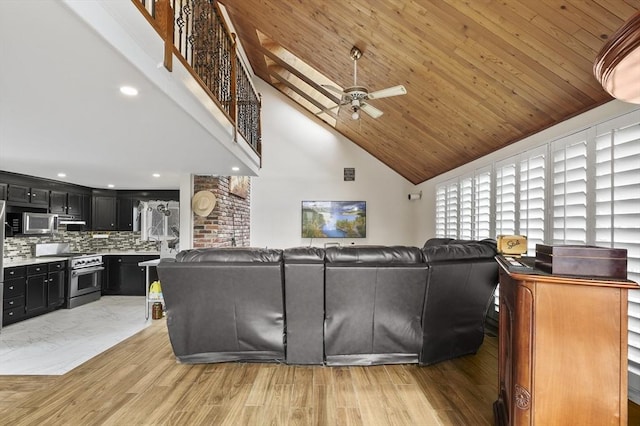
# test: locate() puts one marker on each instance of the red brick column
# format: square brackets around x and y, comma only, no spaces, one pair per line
[230,219]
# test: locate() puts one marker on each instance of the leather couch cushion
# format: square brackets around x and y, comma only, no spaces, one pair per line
[459,251]
[374,255]
[436,242]
[303,255]
[231,254]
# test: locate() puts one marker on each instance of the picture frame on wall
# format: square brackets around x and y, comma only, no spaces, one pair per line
[239,186]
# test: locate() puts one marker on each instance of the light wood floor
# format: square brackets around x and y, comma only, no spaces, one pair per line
[138,382]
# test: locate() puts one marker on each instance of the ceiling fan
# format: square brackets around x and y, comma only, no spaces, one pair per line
[357,96]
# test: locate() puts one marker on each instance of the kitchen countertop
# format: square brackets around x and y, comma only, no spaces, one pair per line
[9,262]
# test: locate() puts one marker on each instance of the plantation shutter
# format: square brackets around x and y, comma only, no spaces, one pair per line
[466,209]
[569,219]
[441,211]
[452,210]
[482,211]
[532,199]
[618,211]
[506,199]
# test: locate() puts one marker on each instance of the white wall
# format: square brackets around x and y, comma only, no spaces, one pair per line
[304,159]
[426,225]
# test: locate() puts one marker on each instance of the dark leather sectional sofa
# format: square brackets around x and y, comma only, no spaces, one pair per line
[352,305]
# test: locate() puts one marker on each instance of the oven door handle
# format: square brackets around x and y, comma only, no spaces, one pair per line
[86,271]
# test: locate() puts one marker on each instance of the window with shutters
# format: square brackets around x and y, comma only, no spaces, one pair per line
[441,211]
[580,189]
[532,199]
[482,205]
[617,209]
[506,198]
[466,215]
[452,210]
[569,219]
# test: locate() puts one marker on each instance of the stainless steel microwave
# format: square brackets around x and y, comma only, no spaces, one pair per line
[39,223]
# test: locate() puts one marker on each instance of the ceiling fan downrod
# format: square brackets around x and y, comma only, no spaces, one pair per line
[355,55]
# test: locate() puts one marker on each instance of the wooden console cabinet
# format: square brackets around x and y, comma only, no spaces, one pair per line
[562,349]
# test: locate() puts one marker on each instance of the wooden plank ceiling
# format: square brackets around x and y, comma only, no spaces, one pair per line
[480,74]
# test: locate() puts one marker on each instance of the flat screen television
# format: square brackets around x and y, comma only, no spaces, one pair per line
[334,219]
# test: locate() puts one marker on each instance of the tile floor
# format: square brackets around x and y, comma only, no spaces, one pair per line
[54,343]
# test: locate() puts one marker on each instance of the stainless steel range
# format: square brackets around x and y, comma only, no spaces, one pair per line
[84,278]
[84,273]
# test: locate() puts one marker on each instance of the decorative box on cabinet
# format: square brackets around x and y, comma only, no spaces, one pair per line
[562,349]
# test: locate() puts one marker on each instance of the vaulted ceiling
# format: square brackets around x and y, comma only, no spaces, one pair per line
[479,74]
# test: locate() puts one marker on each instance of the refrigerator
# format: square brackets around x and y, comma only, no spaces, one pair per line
[2,219]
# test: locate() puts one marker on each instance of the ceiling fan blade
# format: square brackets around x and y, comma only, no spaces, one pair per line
[329,110]
[370,110]
[388,92]
[332,88]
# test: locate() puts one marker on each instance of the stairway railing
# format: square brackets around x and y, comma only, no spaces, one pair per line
[195,32]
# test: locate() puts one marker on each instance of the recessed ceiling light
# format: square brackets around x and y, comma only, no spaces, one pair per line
[156,175]
[235,169]
[62,175]
[128,90]
[111,185]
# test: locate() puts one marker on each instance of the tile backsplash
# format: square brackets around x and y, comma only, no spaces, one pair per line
[122,241]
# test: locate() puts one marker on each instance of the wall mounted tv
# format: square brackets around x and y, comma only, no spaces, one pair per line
[334,219]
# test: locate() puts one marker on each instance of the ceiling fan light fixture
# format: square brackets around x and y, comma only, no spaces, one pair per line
[356,114]
[617,65]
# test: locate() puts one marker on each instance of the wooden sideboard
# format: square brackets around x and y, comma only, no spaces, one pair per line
[562,349]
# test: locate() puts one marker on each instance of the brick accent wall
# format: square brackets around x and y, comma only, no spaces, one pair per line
[229,221]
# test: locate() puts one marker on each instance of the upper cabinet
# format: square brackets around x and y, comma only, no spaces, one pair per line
[69,204]
[125,212]
[103,212]
[100,209]
[25,195]
[75,205]
[58,202]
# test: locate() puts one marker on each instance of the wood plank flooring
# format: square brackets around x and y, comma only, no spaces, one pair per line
[138,382]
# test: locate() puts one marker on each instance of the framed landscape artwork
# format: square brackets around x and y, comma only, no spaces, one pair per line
[239,186]
[334,219]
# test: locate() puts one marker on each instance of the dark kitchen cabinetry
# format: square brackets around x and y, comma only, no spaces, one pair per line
[70,204]
[55,284]
[75,205]
[32,290]
[3,191]
[13,298]
[124,277]
[125,213]
[103,213]
[28,196]
[58,202]
[36,289]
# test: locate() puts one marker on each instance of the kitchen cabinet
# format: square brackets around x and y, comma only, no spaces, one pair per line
[125,213]
[25,195]
[103,213]
[13,297]
[125,277]
[58,202]
[18,193]
[562,356]
[36,289]
[68,203]
[3,191]
[55,284]
[32,290]
[75,205]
